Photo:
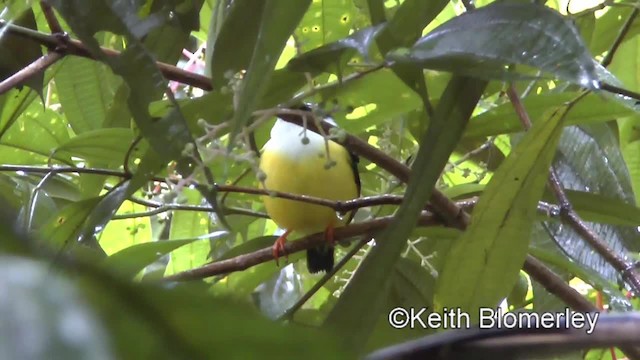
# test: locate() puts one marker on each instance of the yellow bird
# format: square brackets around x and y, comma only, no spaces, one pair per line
[295,161]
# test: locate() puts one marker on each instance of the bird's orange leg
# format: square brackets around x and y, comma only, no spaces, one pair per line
[328,235]
[278,246]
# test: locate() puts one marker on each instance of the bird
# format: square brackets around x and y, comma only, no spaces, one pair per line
[303,162]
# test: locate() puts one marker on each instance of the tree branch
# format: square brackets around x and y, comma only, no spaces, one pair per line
[36,67]
[242,262]
[66,46]
[52,20]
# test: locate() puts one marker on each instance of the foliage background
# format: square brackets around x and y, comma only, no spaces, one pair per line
[96,170]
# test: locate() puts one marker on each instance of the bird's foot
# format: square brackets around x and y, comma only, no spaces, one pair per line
[278,247]
[328,236]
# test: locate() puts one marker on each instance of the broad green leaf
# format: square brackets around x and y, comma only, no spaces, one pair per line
[185,322]
[84,91]
[107,146]
[484,263]
[189,225]
[589,159]
[327,21]
[352,316]
[37,207]
[547,250]
[463,190]
[13,103]
[277,19]
[166,42]
[213,107]
[604,209]
[557,259]
[283,84]
[376,98]
[631,154]
[249,246]
[133,259]
[404,28]
[31,137]
[334,56]
[167,136]
[503,119]
[120,234]
[627,71]
[64,227]
[481,42]
[412,287]
[608,26]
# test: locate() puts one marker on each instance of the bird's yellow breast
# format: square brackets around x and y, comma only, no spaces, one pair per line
[301,169]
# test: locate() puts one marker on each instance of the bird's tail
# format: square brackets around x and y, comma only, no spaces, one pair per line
[320,259]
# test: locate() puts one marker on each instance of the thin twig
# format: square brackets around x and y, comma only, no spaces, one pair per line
[74,47]
[340,82]
[29,71]
[52,20]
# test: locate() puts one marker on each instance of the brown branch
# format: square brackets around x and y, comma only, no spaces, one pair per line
[242,262]
[569,216]
[52,20]
[65,169]
[68,46]
[340,206]
[29,71]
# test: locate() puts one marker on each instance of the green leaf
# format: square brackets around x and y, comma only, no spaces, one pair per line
[189,225]
[404,28]
[167,136]
[32,137]
[589,158]
[328,21]
[249,246]
[483,265]
[84,92]
[379,95]
[277,19]
[503,119]
[131,260]
[608,26]
[334,56]
[107,146]
[123,233]
[166,42]
[481,42]
[604,209]
[64,227]
[352,316]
